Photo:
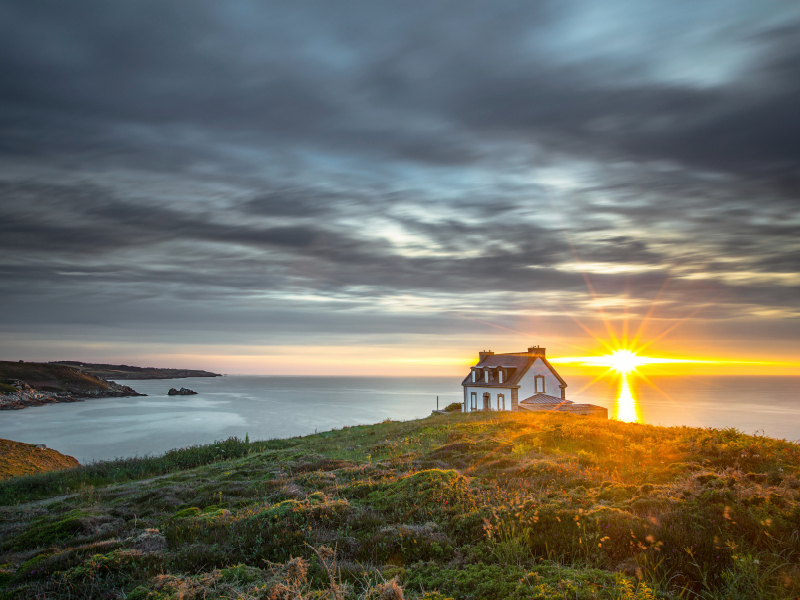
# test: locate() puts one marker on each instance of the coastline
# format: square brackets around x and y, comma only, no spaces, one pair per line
[28,397]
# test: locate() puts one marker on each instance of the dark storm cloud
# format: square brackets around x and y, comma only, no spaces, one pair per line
[87,220]
[467,154]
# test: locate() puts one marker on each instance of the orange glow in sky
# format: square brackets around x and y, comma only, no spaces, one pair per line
[625,361]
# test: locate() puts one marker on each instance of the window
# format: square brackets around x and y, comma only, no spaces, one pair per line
[486,376]
[473,375]
[473,401]
[500,375]
[501,402]
[539,383]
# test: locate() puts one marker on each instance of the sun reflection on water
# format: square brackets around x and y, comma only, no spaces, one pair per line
[626,408]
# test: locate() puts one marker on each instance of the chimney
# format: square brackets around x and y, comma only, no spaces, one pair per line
[484,354]
[536,351]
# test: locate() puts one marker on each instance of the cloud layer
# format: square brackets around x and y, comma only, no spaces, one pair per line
[347,170]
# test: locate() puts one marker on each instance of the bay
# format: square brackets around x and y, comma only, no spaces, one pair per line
[265,407]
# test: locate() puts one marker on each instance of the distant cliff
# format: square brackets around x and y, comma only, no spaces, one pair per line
[34,384]
[128,372]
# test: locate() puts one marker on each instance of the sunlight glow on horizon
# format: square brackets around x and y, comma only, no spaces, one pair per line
[625,361]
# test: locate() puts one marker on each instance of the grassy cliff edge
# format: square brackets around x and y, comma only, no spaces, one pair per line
[478,506]
[18,459]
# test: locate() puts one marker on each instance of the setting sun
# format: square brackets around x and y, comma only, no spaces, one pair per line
[624,361]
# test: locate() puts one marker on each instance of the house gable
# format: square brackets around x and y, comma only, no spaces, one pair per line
[529,372]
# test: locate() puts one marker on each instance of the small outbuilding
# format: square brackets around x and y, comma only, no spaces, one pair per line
[520,381]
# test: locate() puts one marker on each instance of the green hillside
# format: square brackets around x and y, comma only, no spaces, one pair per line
[480,506]
[119,372]
[25,459]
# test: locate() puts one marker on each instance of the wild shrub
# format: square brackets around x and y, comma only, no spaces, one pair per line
[547,581]
[115,568]
[47,531]
[603,537]
[404,544]
[31,487]
[424,495]
[703,513]
[274,533]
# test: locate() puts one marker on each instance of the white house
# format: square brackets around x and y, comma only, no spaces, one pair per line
[519,381]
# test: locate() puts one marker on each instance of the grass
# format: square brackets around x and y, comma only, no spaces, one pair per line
[17,458]
[7,388]
[43,485]
[47,377]
[478,506]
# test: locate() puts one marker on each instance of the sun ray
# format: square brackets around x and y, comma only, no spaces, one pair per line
[653,306]
[675,326]
[576,256]
[595,380]
[625,313]
[652,384]
[590,332]
[599,308]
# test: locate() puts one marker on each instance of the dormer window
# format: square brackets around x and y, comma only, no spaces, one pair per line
[500,375]
[486,376]
[474,376]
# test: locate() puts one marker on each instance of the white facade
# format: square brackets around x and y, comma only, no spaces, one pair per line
[501,381]
[495,394]
[527,385]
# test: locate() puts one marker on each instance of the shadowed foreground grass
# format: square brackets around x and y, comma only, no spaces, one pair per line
[479,506]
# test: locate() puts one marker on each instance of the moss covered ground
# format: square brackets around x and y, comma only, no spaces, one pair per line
[479,506]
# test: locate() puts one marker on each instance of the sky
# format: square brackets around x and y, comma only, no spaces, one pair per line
[365,188]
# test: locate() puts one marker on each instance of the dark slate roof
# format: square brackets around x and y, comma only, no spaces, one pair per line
[519,361]
[516,364]
[542,398]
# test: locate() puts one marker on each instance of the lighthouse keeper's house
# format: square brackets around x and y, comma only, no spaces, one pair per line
[519,381]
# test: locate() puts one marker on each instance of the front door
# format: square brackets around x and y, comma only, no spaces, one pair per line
[487,398]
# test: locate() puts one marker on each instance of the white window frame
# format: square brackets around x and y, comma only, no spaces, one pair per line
[536,384]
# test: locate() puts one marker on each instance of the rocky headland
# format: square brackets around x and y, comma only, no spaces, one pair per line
[23,385]
[118,372]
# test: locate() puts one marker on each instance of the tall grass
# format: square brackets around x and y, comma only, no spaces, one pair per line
[475,506]
[43,485]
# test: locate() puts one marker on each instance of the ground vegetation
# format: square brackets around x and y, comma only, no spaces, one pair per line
[465,506]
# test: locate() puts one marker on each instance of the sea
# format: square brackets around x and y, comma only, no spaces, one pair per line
[267,407]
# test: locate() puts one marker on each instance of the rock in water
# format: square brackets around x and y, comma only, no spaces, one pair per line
[181,392]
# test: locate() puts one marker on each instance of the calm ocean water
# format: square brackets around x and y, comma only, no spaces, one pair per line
[275,407]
